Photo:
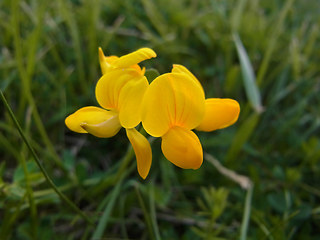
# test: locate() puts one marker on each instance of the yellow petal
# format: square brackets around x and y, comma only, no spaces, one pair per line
[106,62]
[111,59]
[142,150]
[105,129]
[110,84]
[177,68]
[220,113]
[183,148]
[172,99]
[134,58]
[97,121]
[130,100]
[102,60]
[138,68]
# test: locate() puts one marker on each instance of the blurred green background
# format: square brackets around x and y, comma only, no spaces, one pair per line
[263,53]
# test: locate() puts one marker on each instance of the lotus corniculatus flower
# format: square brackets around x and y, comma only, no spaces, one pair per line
[173,105]
[119,92]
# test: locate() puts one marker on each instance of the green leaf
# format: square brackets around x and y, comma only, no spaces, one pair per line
[68,160]
[304,213]
[251,88]
[277,202]
[242,136]
[18,176]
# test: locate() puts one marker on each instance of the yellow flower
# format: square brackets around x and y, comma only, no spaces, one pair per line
[119,92]
[127,61]
[173,105]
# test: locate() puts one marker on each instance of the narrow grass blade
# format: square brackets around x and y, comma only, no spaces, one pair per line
[30,194]
[242,136]
[36,158]
[251,88]
[25,76]
[93,31]
[98,233]
[155,17]
[246,214]
[273,41]
[146,214]
[110,199]
[11,217]
[65,8]
[237,14]
[153,214]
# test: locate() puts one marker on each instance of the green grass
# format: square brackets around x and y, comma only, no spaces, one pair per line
[265,54]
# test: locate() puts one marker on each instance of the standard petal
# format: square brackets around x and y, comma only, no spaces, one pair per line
[177,68]
[130,100]
[134,58]
[183,148]
[220,113]
[172,99]
[94,116]
[142,150]
[110,84]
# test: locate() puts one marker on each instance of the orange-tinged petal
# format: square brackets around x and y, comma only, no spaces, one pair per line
[130,100]
[98,119]
[110,84]
[142,150]
[138,68]
[177,68]
[220,113]
[172,99]
[183,148]
[134,58]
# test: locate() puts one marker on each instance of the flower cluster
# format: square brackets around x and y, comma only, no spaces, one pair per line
[170,107]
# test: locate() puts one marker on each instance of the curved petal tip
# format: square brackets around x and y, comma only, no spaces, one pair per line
[220,113]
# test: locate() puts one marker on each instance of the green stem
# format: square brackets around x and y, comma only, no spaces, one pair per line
[153,213]
[33,207]
[5,231]
[25,76]
[145,213]
[111,199]
[246,214]
[36,158]
[128,157]
[111,180]
[98,233]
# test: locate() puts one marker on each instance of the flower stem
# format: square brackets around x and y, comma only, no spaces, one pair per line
[36,158]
